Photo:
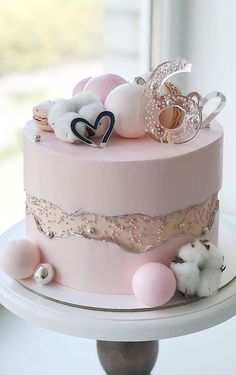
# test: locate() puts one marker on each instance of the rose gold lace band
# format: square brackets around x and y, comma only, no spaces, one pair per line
[136,233]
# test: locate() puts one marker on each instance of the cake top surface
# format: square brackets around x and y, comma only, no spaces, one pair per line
[124,149]
[109,107]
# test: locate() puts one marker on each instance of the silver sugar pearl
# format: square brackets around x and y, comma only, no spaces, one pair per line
[182,225]
[169,102]
[91,230]
[140,80]
[194,120]
[37,138]
[44,273]
[154,131]
[50,234]
[205,231]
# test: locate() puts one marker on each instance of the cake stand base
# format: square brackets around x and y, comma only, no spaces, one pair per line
[127,358]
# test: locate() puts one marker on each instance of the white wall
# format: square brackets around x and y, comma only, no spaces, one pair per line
[204,31]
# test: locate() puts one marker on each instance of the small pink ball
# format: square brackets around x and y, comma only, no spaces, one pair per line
[126,102]
[19,259]
[80,86]
[103,85]
[154,284]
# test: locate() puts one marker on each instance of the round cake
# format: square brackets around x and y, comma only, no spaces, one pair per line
[81,200]
[138,217]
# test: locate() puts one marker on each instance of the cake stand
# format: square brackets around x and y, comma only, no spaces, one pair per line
[127,341]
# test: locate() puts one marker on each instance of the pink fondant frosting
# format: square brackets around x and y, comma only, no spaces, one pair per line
[128,176]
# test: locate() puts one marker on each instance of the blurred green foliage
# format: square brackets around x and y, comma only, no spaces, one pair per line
[39,33]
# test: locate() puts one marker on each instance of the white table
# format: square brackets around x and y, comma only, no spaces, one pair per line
[120,327]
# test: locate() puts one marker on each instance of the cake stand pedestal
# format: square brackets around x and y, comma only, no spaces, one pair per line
[127,341]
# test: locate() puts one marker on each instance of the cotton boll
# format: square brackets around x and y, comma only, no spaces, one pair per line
[83,99]
[194,252]
[63,128]
[207,259]
[187,276]
[90,112]
[64,106]
[59,109]
[215,259]
[209,282]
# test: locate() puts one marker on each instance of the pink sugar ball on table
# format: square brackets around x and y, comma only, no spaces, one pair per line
[154,284]
[19,258]
[80,86]
[125,102]
[102,85]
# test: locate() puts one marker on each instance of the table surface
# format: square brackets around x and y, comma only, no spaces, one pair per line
[122,326]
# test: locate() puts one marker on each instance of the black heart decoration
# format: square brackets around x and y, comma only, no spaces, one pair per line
[94,127]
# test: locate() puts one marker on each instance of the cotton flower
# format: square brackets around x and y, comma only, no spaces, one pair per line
[198,269]
[63,130]
[85,105]
[74,104]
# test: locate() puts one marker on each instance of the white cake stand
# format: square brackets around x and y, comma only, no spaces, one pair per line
[127,340]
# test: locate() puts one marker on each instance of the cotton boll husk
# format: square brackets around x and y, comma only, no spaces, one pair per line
[197,254]
[187,276]
[63,128]
[209,282]
[90,112]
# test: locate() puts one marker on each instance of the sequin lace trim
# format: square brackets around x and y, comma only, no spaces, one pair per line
[136,233]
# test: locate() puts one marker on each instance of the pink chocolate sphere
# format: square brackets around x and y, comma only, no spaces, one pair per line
[80,86]
[154,284]
[103,85]
[19,259]
[126,102]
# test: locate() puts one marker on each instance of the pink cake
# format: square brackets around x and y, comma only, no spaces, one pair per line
[127,177]
[98,214]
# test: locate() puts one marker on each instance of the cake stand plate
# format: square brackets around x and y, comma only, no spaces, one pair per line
[120,318]
[127,333]
[64,295]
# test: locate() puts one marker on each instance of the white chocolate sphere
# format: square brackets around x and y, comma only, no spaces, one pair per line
[125,101]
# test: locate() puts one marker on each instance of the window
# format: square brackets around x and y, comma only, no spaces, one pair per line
[45,48]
